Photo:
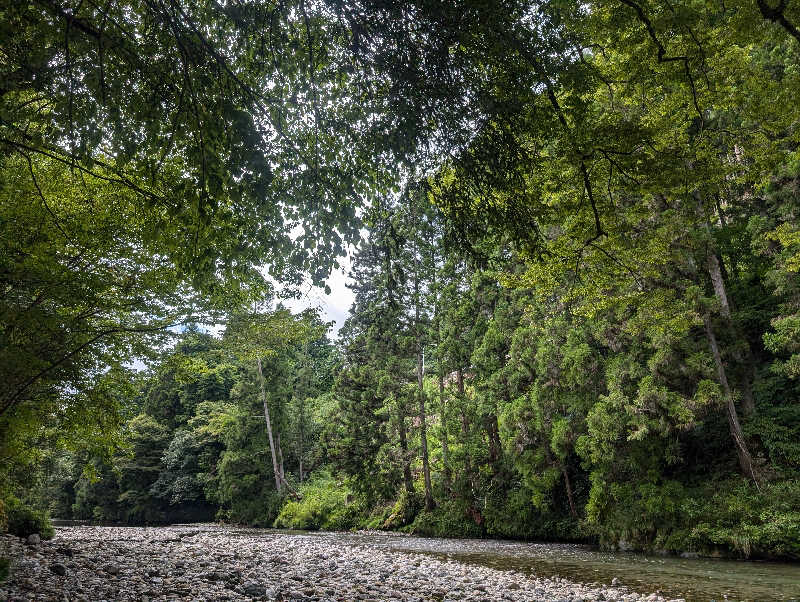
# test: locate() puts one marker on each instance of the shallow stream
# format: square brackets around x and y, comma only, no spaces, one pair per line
[695,580]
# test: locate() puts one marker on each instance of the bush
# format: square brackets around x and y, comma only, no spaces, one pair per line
[3,517]
[259,511]
[404,511]
[721,518]
[24,520]
[449,519]
[377,517]
[324,505]
[738,519]
[514,516]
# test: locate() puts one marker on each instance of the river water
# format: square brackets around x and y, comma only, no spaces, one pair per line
[696,580]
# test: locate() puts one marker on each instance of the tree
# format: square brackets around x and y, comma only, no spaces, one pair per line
[139,469]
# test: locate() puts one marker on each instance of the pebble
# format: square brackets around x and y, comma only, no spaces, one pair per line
[214,562]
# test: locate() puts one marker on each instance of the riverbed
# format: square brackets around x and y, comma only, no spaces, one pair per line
[213,562]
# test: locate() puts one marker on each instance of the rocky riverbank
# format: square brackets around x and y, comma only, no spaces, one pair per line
[210,562]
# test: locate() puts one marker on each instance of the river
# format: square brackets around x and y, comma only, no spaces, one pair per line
[230,563]
[695,580]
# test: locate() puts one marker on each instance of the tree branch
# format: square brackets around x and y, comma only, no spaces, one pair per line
[776,16]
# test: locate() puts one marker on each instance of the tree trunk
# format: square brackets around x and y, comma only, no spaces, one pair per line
[423,428]
[745,359]
[278,483]
[464,427]
[495,445]
[426,470]
[745,459]
[568,487]
[718,281]
[445,446]
[446,476]
[301,433]
[408,482]
[423,436]
[280,460]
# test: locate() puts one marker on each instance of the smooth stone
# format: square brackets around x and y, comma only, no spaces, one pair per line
[34,539]
[111,569]
[58,568]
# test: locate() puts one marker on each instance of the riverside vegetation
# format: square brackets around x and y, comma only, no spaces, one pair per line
[575,258]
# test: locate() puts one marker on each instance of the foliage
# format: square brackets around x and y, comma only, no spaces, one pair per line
[24,520]
[450,519]
[404,511]
[576,319]
[325,504]
[729,517]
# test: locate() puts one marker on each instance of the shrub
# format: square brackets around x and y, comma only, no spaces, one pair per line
[514,516]
[449,519]
[24,520]
[729,517]
[377,517]
[744,521]
[324,505]
[257,511]
[405,510]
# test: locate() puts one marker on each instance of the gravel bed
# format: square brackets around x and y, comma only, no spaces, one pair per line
[211,562]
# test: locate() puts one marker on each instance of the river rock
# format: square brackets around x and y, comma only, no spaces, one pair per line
[66,551]
[253,589]
[58,568]
[34,539]
[244,564]
[112,568]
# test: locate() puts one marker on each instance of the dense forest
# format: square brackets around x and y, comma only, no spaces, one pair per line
[575,240]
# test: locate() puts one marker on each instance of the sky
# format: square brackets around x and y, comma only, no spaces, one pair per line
[334,307]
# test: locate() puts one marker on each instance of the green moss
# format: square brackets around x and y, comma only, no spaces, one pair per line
[404,511]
